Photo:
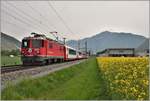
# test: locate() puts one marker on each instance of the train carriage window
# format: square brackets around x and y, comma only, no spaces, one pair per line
[25,43]
[37,43]
[71,51]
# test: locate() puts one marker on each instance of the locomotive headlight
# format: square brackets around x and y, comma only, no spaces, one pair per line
[29,50]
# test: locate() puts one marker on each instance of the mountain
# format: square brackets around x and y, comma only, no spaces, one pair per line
[95,43]
[108,39]
[9,42]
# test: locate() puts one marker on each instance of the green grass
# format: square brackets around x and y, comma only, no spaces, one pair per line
[6,60]
[80,82]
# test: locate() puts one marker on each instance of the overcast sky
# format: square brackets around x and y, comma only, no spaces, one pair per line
[74,19]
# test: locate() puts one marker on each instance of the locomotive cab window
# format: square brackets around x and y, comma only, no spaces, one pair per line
[71,51]
[25,43]
[37,43]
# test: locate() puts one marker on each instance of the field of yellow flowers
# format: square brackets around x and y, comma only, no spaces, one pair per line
[126,77]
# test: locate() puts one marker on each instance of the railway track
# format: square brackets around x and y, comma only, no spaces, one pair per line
[7,69]
[15,74]
[13,68]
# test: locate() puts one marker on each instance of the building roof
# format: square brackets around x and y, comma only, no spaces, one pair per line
[120,48]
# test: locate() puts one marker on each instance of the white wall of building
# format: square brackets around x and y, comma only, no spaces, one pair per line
[121,52]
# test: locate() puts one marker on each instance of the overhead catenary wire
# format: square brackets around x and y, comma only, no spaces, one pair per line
[11,23]
[20,20]
[46,20]
[29,20]
[61,19]
[26,14]
[58,15]
[14,25]
[19,17]
[25,18]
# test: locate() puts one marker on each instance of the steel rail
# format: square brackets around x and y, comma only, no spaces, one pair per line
[11,68]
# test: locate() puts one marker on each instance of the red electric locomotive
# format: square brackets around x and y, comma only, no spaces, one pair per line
[42,50]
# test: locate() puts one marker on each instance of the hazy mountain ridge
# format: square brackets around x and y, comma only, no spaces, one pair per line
[95,43]
[108,39]
[9,42]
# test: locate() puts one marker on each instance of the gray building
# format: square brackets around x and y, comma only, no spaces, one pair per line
[143,49]
[116,52]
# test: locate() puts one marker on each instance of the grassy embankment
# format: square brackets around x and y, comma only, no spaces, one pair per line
[82,81]
[7,60]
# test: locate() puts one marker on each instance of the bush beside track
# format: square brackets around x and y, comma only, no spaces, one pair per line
[7,60]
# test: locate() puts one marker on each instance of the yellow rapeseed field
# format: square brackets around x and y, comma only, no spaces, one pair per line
[126,77]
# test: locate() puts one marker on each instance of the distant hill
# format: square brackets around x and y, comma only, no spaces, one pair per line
[9,42]
[108,39]
[95,43]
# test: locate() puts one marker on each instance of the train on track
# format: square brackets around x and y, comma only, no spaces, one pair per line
[40,50]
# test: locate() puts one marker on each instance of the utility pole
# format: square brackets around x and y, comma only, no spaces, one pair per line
[89,52]
[64,40]
[86,46]
[78,44]
[57,38]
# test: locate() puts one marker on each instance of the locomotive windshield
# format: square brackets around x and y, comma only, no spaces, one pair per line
[37,43]
[25,43]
